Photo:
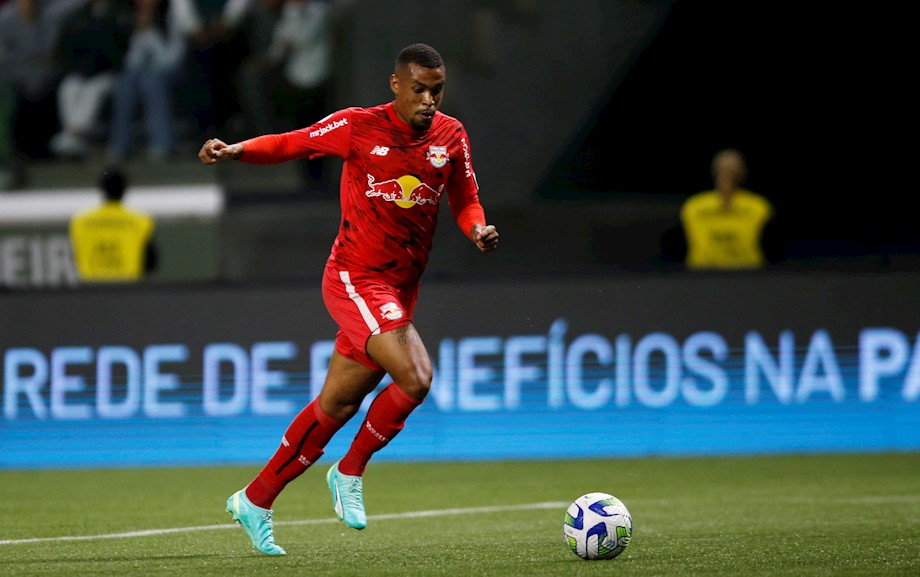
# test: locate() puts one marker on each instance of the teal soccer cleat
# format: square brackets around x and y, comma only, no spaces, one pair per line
[256,521]
[346,497]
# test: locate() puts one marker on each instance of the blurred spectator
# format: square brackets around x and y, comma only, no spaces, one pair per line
[91,51]
[729,227]
[287,84]
[157,49]
[296,69]
[112,243]
[29,76]
[262,17]
[217,48]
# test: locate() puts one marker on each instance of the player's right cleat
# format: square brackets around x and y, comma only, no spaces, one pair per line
[346,497]
[256,521]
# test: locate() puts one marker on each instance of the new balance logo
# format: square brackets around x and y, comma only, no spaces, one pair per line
[380,150]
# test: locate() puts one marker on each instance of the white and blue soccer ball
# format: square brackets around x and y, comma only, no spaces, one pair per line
[597,526]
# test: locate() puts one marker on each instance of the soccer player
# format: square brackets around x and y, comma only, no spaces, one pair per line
[399,158]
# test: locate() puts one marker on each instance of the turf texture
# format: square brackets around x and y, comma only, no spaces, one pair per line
[778,515]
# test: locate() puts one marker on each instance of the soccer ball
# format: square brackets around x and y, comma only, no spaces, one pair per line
[597,526]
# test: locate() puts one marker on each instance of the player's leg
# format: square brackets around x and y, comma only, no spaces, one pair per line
[303,443]
[403,355]
[375,319]
[343,392]
[347,383]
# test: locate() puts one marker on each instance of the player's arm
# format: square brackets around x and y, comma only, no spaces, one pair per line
[266,149]
[329,136]
[463,198]
[471,219]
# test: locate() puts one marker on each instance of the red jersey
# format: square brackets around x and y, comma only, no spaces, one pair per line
[392,181]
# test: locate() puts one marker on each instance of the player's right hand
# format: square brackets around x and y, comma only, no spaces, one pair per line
[214,149]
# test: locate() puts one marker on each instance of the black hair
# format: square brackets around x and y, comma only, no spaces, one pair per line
[421,54]
[113,183]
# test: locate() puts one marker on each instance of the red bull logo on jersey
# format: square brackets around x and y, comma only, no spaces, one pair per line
[405,191]
[437,156]
[390,311]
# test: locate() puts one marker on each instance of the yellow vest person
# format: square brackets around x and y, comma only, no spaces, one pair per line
[112,243]
[724,227]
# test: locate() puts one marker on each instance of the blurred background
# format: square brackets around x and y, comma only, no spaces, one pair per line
[591,122]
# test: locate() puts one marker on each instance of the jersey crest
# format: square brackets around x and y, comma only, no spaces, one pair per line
[437,156]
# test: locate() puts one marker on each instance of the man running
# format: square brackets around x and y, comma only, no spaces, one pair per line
[399,158]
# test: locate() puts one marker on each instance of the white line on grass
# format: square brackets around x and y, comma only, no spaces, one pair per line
[383,517]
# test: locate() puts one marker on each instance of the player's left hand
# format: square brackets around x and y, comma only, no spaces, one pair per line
[485,237]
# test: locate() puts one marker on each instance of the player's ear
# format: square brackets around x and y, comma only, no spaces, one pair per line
[394,83]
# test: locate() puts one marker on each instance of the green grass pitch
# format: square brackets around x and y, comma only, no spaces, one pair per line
[823,515]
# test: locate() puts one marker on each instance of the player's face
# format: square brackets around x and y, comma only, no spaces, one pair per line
[418,93]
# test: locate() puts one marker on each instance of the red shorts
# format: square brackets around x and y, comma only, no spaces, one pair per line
[362,306]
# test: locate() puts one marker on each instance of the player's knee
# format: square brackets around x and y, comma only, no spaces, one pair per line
[417,382]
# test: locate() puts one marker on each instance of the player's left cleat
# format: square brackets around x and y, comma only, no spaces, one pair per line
[256,521]
[346,497]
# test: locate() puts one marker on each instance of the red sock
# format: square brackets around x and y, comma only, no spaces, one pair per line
[301,446]
[385,418]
